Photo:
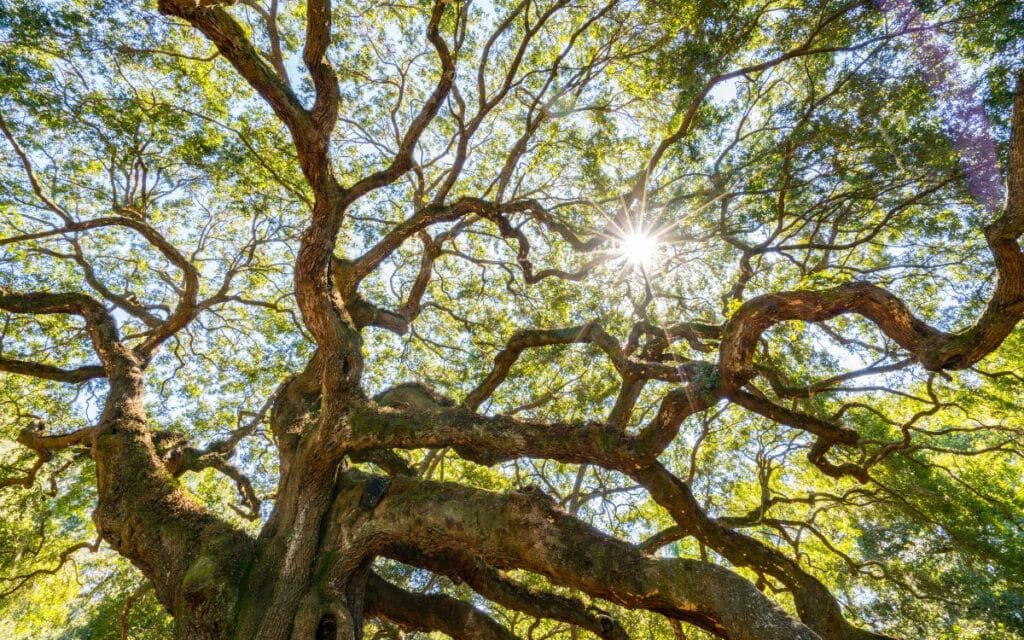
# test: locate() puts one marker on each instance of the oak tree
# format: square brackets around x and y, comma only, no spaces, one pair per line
[517,318]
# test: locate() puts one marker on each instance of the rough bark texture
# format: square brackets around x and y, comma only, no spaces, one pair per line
[308,572]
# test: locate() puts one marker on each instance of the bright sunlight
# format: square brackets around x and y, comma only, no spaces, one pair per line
[638,248]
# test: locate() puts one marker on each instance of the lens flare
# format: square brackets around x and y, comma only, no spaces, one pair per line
[638,248]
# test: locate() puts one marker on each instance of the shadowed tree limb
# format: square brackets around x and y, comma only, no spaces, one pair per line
[816,605]
[493,585]
[430,612]
[525,530]
[935,349]
[51,372]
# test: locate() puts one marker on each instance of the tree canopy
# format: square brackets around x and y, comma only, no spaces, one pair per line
[511,319]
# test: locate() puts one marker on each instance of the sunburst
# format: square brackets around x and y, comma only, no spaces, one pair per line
[635,243]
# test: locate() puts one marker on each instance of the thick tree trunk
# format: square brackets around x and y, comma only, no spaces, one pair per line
[194,559]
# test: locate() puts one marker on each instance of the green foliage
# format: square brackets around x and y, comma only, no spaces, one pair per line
[823,170]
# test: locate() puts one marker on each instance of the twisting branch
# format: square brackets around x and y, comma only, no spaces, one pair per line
[935,349]
[496,587]
[19,581]
[99,324]
[318,37]
[129,604]
[402,161]
[50,372]
[492,439]
[187,307]
[815,604]
[230,39]
[454,517]
[180,457]
[430,612]
[827,431]
[698,374]
[805,48]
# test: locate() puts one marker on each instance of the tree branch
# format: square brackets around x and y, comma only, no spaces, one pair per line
[525,530]
[430,612]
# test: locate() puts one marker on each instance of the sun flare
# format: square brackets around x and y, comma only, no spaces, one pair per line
[638,248]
